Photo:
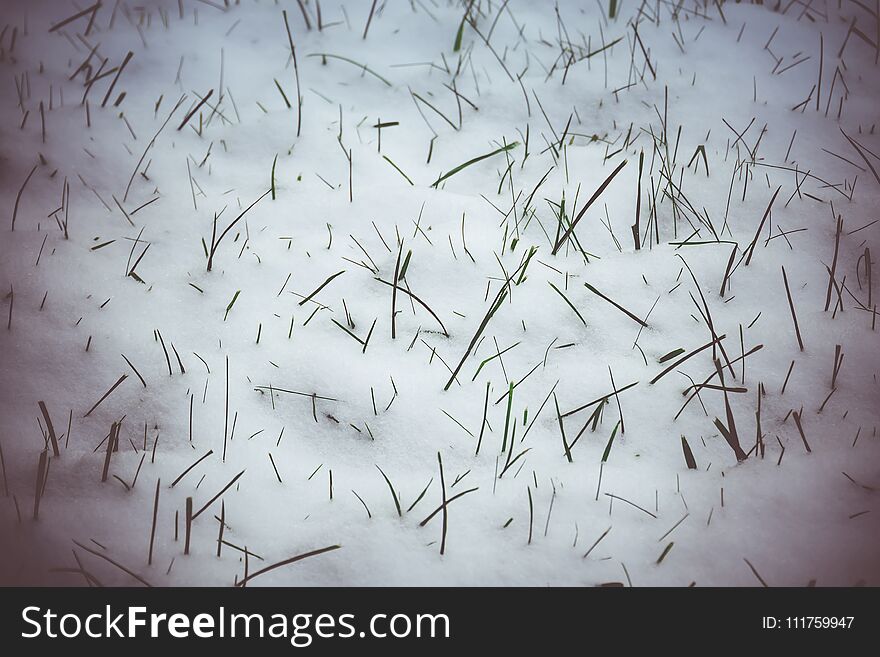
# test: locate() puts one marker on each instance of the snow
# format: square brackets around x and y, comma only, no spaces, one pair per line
[811,516]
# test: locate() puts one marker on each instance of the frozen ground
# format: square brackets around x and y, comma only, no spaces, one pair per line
[711,111]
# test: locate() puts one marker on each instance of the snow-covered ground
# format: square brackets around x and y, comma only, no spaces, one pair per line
[130,132]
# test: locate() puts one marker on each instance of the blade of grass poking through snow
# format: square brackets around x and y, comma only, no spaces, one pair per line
[755,573]
[688,454]
[493,308]
[363,67]
[152,143]
[416,299]
[107,394]
[215,243]
[729,432]
[195,109]
[456,46]
[510,461]
[750,249]
[859,148]
[570,304]
[111,446]
[444,505]
[665,552]
[797,421]
[42,470]
[421,495]
[402,274]
[797,328]
[394,292]
[448,502]
[531,514]
[600,400]
[283,95]
[491,358]
[393,492]
[321,287]
[103,556]
[85,12]
[672,354]
[596,542]
[615,304]
[454,171]
[417,97]
[231,303]
[369,18]
[607,451]
[562,430]
[686,357]
[635,227]
[586,207]
[507,418]
[185,472]
[482,422]
[398,169]
[295,72]
[522,274]
[242,582]
[361,500]
[218,495]
[188,525]
[50,429]
[153,524]
[274,162]
[18,196]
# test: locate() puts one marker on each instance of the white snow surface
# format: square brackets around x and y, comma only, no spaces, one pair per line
[715,73]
